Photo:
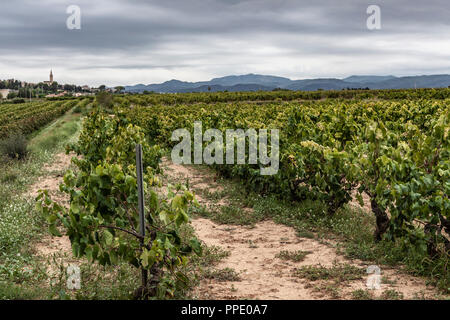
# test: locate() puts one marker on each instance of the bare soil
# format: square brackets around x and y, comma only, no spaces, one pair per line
[53,246]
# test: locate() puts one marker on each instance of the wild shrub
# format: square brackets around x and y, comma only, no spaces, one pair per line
[105,99]
[15,146]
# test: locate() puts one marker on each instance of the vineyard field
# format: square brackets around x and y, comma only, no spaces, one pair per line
[395,151]
[286,95]
[363,179]
[31,116]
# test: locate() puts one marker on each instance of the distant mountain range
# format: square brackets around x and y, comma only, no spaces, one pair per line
[255,82]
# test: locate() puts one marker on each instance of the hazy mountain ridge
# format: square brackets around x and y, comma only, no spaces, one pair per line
[368,79]
[255,82]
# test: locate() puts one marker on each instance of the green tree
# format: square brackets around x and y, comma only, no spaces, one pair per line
[12,95]
[54,87]
[119,89]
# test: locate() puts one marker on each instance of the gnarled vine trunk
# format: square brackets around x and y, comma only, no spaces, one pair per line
[382,220]
[143,293]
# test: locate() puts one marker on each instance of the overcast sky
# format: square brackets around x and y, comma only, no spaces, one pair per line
[147,41]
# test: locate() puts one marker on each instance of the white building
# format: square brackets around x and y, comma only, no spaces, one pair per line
[5,92]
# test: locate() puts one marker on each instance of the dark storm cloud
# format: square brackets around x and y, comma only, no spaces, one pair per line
[198,38]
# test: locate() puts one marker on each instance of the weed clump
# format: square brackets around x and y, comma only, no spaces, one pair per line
[296,256]
[338,273]
[15,146]
[222,275]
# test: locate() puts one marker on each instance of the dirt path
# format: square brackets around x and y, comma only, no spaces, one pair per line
[254,254]
[50,246]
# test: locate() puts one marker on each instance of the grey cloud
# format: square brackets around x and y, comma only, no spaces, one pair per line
[225,36]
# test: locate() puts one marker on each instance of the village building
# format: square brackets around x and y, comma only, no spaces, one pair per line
[50,82]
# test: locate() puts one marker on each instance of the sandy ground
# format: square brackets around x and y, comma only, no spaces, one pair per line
[253,255]
[50,246]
